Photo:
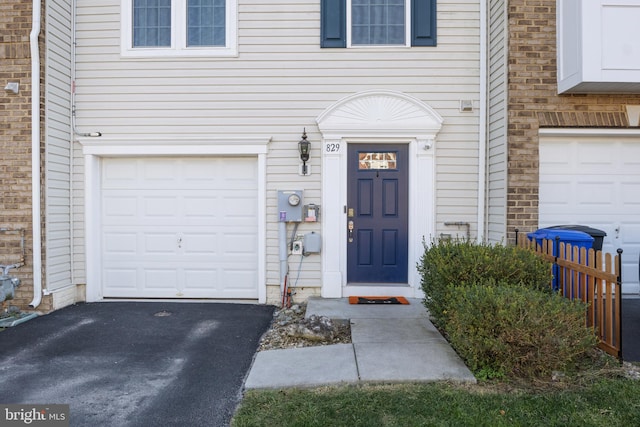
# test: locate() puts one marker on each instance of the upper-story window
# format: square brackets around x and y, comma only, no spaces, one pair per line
[359,23]
[378,22]
[154,28]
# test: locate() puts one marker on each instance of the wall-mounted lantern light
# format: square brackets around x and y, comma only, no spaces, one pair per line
[304,147]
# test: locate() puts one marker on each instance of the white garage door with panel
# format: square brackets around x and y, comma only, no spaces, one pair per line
[179,227]
[595,181]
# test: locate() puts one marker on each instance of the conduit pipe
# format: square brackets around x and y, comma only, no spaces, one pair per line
[35,152]
[282,255]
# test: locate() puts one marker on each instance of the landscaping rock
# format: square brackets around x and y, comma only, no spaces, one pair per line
[290,329]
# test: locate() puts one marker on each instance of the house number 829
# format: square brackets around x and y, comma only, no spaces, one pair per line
[332,148]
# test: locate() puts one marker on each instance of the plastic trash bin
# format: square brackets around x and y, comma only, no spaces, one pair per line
[559,235]
[598,235]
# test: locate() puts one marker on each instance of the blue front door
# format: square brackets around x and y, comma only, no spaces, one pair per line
[377,213]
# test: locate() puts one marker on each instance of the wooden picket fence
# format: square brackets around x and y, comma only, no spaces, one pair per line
[594,278]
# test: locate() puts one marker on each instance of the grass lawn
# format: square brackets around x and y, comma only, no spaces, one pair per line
[599,402]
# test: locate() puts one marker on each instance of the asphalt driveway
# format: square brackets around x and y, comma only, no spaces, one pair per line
[134,363]
[631,329]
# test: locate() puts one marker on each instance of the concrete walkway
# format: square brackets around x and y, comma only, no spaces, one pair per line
[390,343]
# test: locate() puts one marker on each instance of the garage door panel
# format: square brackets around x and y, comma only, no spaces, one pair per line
[241,275]
[121,174]
[157,206]
[598,197]
[115,206]
[200,206]
[120,243]
[201,279]
[160,278]
[121,279]
[239,243]
[177,227]
[630,205]
[590,155]
[557,191]
[159,243]
[595,181]
[200,243]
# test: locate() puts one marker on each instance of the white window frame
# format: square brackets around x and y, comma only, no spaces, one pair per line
[178,46]
[407,29]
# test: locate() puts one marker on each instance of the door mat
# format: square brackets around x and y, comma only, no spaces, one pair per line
[378,300]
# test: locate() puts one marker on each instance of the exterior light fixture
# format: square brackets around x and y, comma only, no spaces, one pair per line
[304,147]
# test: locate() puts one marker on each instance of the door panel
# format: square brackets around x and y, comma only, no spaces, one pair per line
[377,194]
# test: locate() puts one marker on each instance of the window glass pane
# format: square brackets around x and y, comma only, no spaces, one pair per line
[151,23]
[377,161]
[206,23]
[377,22]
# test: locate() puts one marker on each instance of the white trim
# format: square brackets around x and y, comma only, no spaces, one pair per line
[376,117]
[627,133]
[94,149]
[483,130]
[36,172]
[174,145]
[178,38]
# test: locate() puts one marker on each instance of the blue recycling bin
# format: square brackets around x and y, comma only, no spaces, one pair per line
[559,235]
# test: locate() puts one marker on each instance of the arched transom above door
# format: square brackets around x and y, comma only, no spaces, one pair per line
[380,114]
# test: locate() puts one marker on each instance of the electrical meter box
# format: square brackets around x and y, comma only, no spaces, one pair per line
[311,212]
[312,243]
[290,205]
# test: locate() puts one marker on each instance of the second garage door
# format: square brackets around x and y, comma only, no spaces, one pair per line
[595,181]
[179,228]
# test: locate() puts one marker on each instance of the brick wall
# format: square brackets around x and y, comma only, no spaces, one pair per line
[15,143]
[533,102]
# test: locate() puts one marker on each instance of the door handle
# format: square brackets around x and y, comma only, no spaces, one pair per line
[350,231]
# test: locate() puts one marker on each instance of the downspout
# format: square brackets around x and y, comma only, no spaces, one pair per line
[35,153]
[482,123]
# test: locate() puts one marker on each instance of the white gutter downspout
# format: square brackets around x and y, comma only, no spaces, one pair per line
[35,153]
[482,123]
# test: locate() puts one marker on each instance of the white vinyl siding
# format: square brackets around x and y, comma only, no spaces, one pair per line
[279,83]
[497,122]
[58,151]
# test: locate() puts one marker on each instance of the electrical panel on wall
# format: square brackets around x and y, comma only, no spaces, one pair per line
[311,212]
[290,205]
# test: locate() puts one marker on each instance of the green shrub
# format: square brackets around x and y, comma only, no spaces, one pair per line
[446,264]
[515,331]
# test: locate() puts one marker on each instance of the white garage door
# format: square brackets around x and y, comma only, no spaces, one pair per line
[595,181]
[179,227]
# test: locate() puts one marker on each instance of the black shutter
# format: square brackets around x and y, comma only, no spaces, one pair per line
[333,23]
[423,22]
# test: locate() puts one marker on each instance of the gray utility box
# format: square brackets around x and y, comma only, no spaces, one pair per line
[290,205]
[312,243]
